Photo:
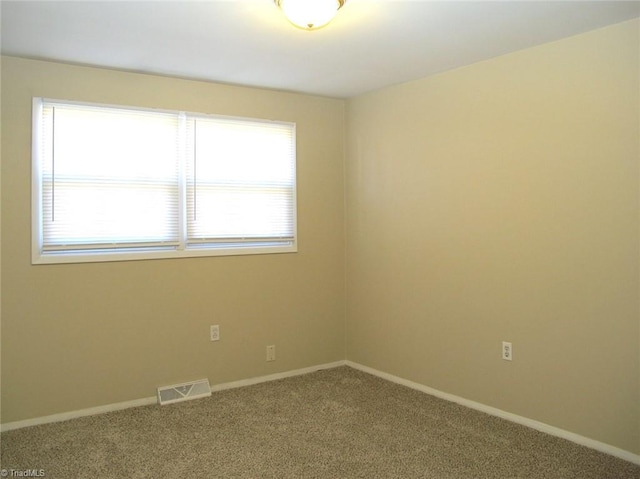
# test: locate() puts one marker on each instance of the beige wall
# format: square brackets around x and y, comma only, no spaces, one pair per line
[83,335]
[495,202]
[500,202]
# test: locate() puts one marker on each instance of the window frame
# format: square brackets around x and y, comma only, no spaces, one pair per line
[184,249]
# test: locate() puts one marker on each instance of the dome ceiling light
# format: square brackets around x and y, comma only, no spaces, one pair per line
[310,14]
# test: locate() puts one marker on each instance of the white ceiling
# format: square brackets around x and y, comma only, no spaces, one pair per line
[369,45]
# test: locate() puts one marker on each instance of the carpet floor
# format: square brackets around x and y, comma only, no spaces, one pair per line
[337,423]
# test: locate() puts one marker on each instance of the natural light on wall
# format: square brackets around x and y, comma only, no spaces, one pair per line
[310,14]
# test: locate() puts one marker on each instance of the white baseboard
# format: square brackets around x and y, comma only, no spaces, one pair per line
[275,377]
[539,426]
[65,416]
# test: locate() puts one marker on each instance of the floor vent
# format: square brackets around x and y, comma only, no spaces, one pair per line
[184,391]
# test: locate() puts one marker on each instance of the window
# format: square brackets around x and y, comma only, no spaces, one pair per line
[116,183]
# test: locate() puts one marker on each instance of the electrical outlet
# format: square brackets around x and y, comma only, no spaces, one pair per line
[271,353]
[507,351]
[214,332]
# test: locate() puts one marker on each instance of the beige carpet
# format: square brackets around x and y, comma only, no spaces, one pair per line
[337,423]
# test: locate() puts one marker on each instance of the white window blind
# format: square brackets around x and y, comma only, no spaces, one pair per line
[240,181]
[121,183]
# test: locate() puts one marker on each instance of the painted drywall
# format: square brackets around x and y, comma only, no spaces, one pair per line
[494,202]
[499,202]
[78,336]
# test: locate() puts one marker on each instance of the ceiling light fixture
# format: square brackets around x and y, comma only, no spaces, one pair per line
[310,14]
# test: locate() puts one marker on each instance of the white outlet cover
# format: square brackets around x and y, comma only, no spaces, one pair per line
[507,351]
[214,332]
[271,353]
